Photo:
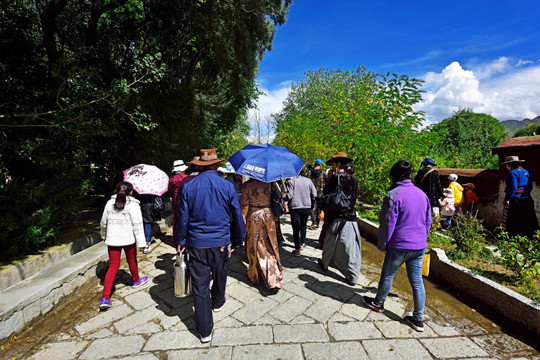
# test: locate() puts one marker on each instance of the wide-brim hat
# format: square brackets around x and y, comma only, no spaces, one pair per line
[192,160]
[510,159]
[207,157]
[179,165]
[339,156]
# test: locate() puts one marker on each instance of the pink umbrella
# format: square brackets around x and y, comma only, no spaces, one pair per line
[147,179]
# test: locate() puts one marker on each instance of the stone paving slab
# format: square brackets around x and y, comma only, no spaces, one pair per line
[315,316]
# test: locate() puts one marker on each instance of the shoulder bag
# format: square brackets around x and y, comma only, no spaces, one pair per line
[276,202]
[336,200]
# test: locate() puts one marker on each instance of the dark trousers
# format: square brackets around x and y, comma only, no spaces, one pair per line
[317,211]
[206,264]
[299,218]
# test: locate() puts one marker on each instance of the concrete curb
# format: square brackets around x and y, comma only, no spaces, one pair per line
[491,298]
[20,270]
[35,296]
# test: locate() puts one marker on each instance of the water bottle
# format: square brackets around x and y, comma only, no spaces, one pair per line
[182,280]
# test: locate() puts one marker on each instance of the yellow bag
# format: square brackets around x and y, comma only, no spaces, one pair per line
[425,267]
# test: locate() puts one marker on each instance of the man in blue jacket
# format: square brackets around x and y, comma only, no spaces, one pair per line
[209,219]
[405,221]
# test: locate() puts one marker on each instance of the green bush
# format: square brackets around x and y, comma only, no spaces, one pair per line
[520,254]
[468,235]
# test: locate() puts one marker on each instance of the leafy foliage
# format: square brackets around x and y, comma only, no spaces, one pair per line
[520,254]
[88,88]
[366,115]
[530,130]
[465,140]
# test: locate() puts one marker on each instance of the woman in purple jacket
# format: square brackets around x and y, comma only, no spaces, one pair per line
[405,221]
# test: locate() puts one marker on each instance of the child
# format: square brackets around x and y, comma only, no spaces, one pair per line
[122,228]
[469,197]
[447,207]
[457,188]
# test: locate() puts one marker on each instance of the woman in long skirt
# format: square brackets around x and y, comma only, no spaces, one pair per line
[261,242]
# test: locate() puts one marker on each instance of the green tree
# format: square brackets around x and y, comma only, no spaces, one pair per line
[530,130]
[367,115]
[465,140]
[88,88]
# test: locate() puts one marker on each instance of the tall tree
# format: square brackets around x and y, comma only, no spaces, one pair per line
[365,114]
[88,88]
[465,140]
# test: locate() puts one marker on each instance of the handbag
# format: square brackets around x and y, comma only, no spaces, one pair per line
[276,202]
[336,200]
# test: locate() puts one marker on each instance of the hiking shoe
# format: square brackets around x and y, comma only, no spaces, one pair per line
[417,325]
[205,339]
[296,253]
[303,247]
[105,303]
[370,302]
[142,280]
[147,249]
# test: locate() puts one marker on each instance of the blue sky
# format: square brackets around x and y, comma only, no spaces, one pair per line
[475,54]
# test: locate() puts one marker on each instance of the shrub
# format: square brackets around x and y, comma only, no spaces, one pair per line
[468,236]
[520,254]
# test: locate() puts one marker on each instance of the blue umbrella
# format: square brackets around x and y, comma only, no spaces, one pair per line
[266,162]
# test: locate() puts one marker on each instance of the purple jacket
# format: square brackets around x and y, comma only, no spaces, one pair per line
[405,218]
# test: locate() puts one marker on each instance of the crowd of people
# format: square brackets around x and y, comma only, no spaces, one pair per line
[215,210]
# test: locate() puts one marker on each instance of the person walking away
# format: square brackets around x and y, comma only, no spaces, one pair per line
[193,172]
[151,208]
[261,242]
[427,179]
[457,188]
[318,177]
[209,220]
[405,221]
[300,191]
[342,165]
[447,207]
[121,227]
[236,179]
[179,174]
[521,216]
[469,197]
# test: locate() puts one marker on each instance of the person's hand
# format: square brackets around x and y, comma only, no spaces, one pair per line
[180,249]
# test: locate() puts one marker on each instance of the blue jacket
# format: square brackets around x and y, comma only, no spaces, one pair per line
[518,184]
[405,218]
[209,213]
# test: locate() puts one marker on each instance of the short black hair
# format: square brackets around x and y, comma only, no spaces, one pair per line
[401,170]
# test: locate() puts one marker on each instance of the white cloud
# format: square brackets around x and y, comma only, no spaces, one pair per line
[523,63]
[268,103]
[498,89]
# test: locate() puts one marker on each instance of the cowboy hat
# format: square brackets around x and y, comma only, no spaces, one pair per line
[510,159]
[339,156]
[179,165]
[207,157]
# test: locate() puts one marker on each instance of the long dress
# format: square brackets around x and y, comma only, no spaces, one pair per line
[261,242]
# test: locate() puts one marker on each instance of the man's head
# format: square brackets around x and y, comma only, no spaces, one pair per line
[401,171]
[318,163]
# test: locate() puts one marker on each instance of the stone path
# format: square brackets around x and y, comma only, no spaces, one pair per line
[315,316]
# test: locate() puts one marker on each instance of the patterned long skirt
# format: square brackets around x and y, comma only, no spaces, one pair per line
[262,249]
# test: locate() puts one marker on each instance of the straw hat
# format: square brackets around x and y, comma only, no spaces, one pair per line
[207,157]
[339,156]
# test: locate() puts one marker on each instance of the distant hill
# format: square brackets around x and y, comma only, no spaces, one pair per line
[514,125]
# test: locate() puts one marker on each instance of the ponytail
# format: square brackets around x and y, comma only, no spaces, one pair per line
[123,189]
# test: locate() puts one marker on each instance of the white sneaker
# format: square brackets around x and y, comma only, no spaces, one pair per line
[206,339]
[147,249]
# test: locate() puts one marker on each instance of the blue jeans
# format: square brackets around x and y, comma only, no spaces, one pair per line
[147,232]
[414,260]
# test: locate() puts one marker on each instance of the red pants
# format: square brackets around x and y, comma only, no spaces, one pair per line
[115,253]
